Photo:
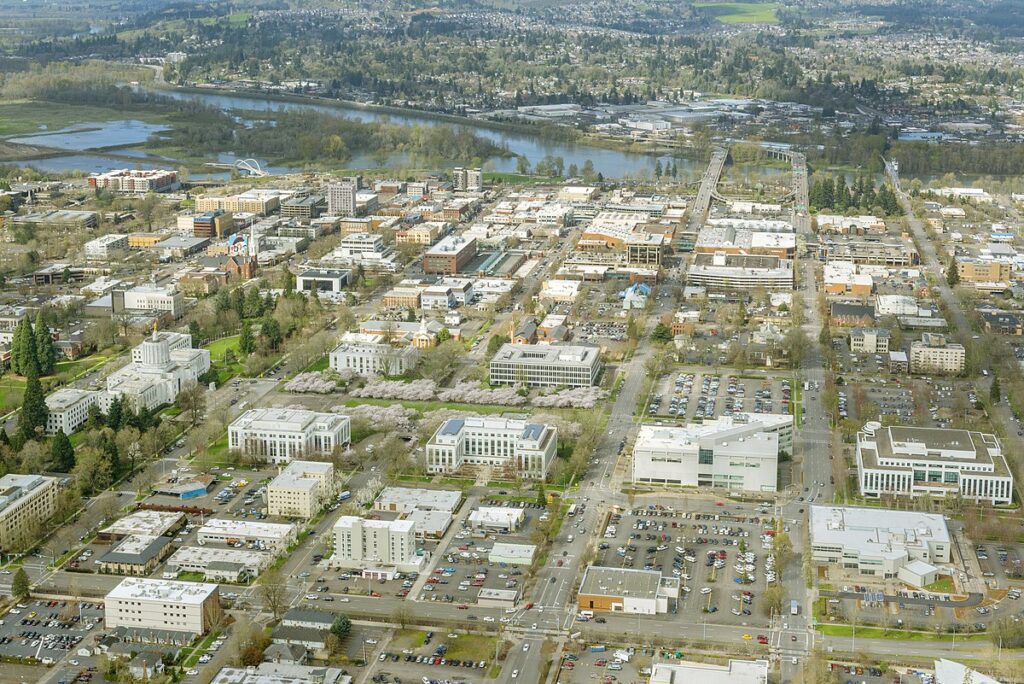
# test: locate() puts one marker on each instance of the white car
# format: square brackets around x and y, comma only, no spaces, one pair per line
[73,662]
[526,647]
[488,618]
[312,597]
[515,674]
[706,590]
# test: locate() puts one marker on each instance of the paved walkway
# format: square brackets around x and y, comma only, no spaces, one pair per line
[969,602]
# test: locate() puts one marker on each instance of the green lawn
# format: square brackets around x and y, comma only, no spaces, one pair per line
[471,647]
[943,584]
[407,638]
[898,634]
[219,347]
[11,389]
[741,12]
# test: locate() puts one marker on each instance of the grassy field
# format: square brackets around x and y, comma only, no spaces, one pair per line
[741,12]
[899,634]
[407,638]
[471,647]
[943,584]
[18,117]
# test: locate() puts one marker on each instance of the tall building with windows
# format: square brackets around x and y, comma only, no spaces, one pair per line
[913,461]
[341,197]
[301,489]
[733,452]
[377,547]
[526,448]
[67,409]
[933,354]
[279,435]
[26,501]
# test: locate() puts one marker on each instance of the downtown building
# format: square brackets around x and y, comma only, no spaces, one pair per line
[526,448]
[546,365]
[138,603]
[280,435]
[731,452]
[379,548]
[163,365]
[26,502]
[301,489]
[912,462]
[373,358]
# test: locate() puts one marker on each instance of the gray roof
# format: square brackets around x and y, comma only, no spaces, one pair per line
[150,551]
[308,615]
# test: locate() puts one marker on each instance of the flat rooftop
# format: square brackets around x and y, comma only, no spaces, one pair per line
[602,581]
[246,528]
[544,355]
[171,591]
[940,445]
[424,499]
[736,672]
[143,522]
[881,532]
[284,420]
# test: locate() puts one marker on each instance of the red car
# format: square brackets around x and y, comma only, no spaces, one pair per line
[375,594]
[560,562]
[529,606]
[762,639]
[463,606]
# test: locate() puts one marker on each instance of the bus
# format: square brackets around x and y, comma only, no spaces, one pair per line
[794,607]
[572,510]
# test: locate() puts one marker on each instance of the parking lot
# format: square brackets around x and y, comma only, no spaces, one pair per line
[601,664]
[411,655]
[48,630]
[724,561]
[465,567]
[687,396]
[926,402]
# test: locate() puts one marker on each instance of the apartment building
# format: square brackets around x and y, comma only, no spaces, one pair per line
[301,489]
[732,452]
[135,181]
[306,207]
[68,409]
[26,501]
[526,448]
[341,197]
[377,547]
[546,366]
[911,461]
[376,358]
[869,341]
[426,233]
[882,544]
[933,354]
[449,255]
[279,435]
[140,603]
[106,247]
[251,202]
[471,180]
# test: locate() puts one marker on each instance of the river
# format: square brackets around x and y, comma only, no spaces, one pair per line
[611,163]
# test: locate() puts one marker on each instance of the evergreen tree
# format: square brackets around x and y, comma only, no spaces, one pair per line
[195,331]
[994,392]
[112,454]
[238,301]
[46,353]
[253,304]
[270,330]
[658,171]
[23,347]
[4,437]
[246,344]
[115,416]
[62,454]
[952,273]
[842,195]
[20,586]
[95,418]
[33,408]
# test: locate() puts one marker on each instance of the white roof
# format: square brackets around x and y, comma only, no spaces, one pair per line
[424,499]
[491,515]
[144,521]
[736,672]
[952,672]
[246,528]
[171,591]
[751,428]
[517,552]
[882,532]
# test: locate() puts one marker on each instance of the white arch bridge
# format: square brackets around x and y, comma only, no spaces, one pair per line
[249,166]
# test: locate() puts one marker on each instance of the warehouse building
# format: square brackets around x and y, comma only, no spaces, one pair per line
[625,590]
[276,537]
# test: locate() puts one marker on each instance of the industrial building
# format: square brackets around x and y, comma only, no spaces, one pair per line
[913,461]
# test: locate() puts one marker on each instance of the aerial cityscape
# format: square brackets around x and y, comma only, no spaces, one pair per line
[501,341]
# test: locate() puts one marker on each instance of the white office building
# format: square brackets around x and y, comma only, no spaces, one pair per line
[106,247]
[526,448]
[373,358]
[279,435]
[546,365]
[140,603]
[68,409]
[933,354]
[26,501]
[149,297]
[161,367]
[883,544]
[912,461]
[301,489]
[732,452]
[264,536]
[377,547]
